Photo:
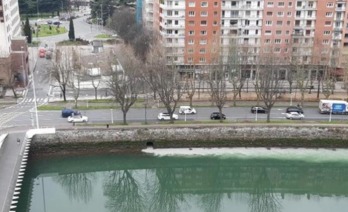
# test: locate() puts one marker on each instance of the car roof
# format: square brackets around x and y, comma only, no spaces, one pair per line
[294,112]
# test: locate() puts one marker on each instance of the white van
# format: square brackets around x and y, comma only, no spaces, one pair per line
[187,110]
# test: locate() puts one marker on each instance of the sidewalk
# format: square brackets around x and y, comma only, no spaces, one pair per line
[10,158]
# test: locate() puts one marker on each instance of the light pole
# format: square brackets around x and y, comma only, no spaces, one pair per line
[112,116]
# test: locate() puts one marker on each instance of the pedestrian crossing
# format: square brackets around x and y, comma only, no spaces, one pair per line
[32,100]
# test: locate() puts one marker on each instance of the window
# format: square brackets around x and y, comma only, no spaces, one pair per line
[310,4]
[191,13]
[204,13]
[278,32]
[287,32]
[215,23]
[190,50]
[330,4]
[268,23]
[327,32]
[280,14]
[269,13]
[299,4]
[176,3]
[270,4]
[191,32]
[191,42]
[328,14]
[279,23]
[203,23]
[192,4]
[216,4]
[268,41]
[288,23]
[203,41]
[203,32]
[202,51]
[277,41]
[290,4]
[191,23]
[281,4]
[189,59]
[268,32]
[204,4]
[176,22]
[214,32]
[215,13]
[202,59]
[286,40]
[310,13]
[326,41]
[277,50]
[233,3]
[289,14]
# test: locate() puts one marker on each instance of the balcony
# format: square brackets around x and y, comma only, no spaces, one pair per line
[172,7]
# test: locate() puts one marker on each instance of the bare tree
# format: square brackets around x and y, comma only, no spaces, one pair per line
[75,82]
[217,82]
[237,57]
[299,73]
[8,76]
[267,83]
[190,86]
[163,78]
[125,82]
[62,69]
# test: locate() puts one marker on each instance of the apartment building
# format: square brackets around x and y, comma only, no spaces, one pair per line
[13,47]
[195,32]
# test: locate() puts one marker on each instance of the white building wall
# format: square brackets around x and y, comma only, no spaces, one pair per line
[10,27]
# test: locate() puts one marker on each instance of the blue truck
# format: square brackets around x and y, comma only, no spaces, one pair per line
[333,107]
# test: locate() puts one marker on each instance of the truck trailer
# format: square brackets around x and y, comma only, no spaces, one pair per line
[333,107]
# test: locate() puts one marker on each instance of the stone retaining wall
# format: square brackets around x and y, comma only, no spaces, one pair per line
[135,139]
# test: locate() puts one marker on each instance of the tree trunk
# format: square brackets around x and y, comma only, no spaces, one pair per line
[269,115]
[14,92]
[95,93]
[191,99]
[124,117]
[221,118]
[234,99]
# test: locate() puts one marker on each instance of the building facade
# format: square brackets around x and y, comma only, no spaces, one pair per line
[195,32]
[13,47]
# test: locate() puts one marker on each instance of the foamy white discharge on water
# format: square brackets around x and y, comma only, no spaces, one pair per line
[304,154]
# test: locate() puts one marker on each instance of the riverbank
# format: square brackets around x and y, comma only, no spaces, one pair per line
[136,138]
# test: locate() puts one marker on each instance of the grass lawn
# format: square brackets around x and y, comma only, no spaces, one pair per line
[103,36]
[45,30]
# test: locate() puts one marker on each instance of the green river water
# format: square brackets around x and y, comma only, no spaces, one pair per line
[209,180]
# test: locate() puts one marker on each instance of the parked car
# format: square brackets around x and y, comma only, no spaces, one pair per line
[216,115]
[187,110]
[166,116]
[294,115]
[294,109]
[56,22]
[77,119]
[69,112]
[258,109]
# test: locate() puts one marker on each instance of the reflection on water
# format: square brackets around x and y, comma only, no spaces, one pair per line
[131,183]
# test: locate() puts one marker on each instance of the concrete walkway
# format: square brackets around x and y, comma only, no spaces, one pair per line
[10,158]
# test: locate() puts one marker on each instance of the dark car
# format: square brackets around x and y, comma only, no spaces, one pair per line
[294,109]
[258,109]
[216,115]
[69,112]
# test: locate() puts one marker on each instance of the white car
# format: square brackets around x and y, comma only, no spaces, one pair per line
[187,110]
[294,115]
[166,116]
[78,118]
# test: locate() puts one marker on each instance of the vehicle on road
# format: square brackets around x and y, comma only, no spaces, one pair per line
[294,109]
[42,52]
[216,115]
[258,109]
[187,110]
[77,119]
[56,22]
[69,112]
[294,115]
[166,116]
[333,106]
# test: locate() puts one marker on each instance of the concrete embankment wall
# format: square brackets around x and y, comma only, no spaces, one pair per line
[82,140]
